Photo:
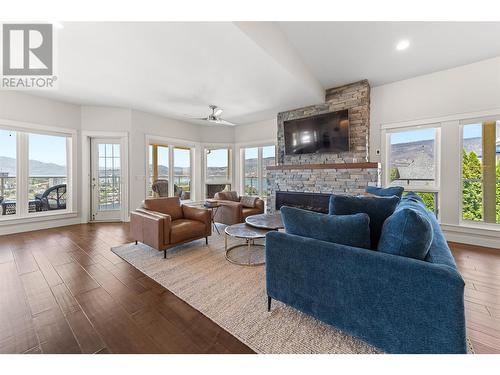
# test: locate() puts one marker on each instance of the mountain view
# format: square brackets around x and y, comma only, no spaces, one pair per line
[251,165]
[37,168]
[415,160]
[178,171]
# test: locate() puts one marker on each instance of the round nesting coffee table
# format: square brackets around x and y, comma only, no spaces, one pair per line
[252,254]
[265,221]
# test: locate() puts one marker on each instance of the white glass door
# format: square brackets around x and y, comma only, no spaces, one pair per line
[106,179]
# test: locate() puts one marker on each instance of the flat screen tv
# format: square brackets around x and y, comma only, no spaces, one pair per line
[318,134]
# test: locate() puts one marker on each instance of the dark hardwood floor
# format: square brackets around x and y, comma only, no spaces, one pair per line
[480,268]
[63,291]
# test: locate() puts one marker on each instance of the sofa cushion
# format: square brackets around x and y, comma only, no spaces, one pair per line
[386,192]
[227,196]
[377,208]
[248,201]
[412,196]
[407,232]
[350,230]
[169,206]
[185,229]
[439,252]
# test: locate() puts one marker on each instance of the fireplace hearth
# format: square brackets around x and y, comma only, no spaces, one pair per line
[317,202]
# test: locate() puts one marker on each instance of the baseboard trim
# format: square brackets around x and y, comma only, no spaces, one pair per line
[38,225]
[472,236]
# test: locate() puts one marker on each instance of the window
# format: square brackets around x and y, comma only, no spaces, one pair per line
[256,160]
[268,158]
[217,164]
[109,177]
[169,163]
[182,172]
[217,170]
[158,165]
[481,172]
[412,162]
[8,171]
[251,185]
[47,177]
[34,173]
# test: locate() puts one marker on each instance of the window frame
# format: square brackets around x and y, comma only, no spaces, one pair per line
[261,174]
[464,222]
[23,130]
[171,144]
[386,149]
[230,178]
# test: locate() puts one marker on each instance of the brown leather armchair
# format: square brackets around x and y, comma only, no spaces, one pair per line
[163,223]
[231,211]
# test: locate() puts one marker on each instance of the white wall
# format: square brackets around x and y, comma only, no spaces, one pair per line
[257,131]
[28,108]
[470,88]
[443,98]
[105,119]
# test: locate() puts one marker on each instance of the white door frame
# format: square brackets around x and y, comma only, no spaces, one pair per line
[86,171]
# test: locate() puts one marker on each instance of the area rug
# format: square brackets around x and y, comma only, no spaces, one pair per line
[234,297]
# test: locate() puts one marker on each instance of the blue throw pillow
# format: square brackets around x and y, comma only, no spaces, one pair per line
[350,230]
[377,208]
[407,232]
[412,196]
[386,192]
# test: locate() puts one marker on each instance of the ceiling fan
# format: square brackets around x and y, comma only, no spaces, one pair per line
[214,117]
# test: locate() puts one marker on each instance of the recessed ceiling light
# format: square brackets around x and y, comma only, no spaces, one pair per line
[403,44]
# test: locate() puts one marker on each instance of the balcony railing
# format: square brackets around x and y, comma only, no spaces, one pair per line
[181,181]
[36,185]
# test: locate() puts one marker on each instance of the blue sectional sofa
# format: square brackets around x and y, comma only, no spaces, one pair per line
[395,303]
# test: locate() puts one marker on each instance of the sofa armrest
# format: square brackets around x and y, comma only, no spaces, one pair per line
[259,203]
[229,212]
[231,204]
[199,214]
[150,227]
[398,304]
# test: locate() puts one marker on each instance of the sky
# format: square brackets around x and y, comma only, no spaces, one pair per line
[7,144]
[267,151]
[44,148]
[217,158]
[412,136]
[473,131]
[470,131]
[181,157]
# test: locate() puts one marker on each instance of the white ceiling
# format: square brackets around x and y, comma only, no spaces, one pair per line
[252,69]
[341,52]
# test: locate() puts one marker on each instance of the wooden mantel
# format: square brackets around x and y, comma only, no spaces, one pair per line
[367,165]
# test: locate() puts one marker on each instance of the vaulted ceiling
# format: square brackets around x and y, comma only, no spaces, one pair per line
[250,69]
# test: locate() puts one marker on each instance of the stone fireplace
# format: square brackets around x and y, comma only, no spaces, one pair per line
[311,178]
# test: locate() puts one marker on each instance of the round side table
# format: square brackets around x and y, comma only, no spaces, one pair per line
[248,253]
